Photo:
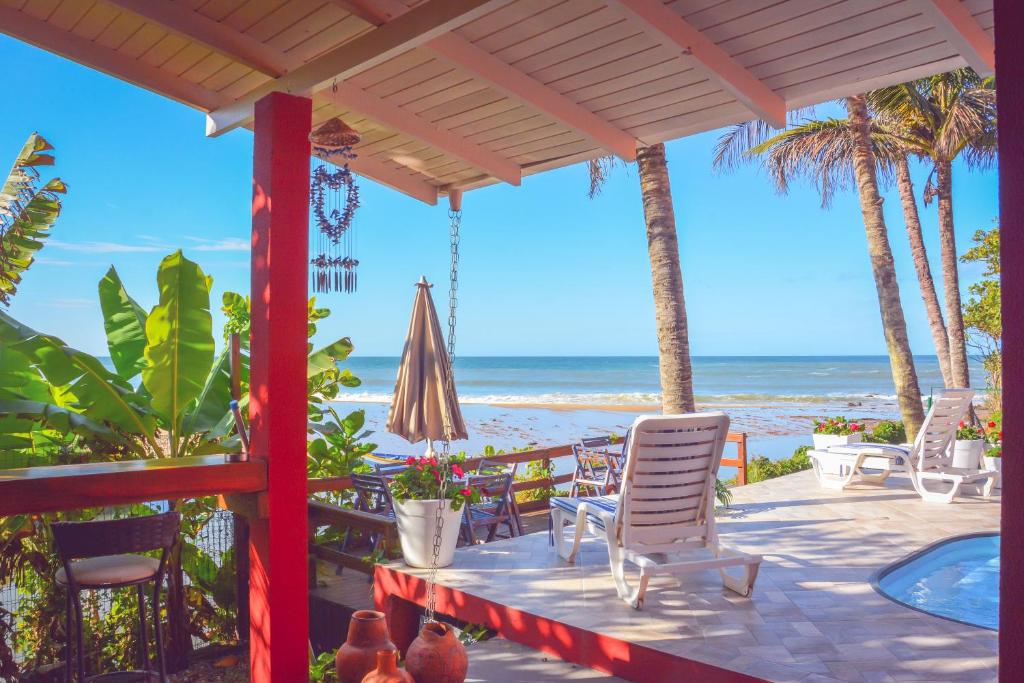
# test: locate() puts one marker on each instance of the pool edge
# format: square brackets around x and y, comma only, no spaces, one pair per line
[879,574]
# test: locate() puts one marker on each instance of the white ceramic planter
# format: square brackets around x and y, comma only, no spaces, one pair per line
[967,454]
[995,465]
[416,520]
[823,441]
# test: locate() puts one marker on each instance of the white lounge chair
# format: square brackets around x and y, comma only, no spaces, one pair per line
[663,521]
[928,459]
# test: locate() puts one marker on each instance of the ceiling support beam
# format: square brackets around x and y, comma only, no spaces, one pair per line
[506,79]
[46,36]
[351,97]
[412,29]
[958,27]
[207,32]
[672,31]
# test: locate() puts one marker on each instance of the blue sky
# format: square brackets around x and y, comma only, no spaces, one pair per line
[545,271]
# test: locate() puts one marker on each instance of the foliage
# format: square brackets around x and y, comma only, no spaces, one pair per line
[983,312]
[969,432]
[837,426]
[321,668]
[722,493]
[887,431]
[423,478]
[27,213]
[471,634]
[761,468]
[535,469]
[338,449]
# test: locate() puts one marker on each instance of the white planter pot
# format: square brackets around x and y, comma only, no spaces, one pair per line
[823,441]
[416,520]
[995,465]
[967,454]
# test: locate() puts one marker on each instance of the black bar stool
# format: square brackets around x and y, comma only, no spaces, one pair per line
[105,555]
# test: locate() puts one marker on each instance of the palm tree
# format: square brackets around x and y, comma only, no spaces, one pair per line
[837,154]
[939,118]
[666,275]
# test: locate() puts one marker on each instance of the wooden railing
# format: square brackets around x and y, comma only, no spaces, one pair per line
[324,514]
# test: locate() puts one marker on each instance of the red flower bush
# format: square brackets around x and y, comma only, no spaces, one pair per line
[424,477]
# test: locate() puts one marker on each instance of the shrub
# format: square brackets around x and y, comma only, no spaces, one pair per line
[887,431]
[761,468]
[837,426]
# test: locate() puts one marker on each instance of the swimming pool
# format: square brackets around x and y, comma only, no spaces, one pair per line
[955,579]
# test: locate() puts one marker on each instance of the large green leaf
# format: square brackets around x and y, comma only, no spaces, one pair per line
[59,419]
[79,382]
[213,401]
[125,323]
[180,346]
[329,356]
[18,379]
[27,212]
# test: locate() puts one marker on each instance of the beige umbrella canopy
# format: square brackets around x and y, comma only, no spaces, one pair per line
[425,405]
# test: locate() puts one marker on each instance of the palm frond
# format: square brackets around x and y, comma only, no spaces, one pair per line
[733,148]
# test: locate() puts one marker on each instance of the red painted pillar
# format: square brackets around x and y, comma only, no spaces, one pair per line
[278,591]
[1009,17]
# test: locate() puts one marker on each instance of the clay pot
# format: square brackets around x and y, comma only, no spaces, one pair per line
[367,635]
[437,656]
[387,670]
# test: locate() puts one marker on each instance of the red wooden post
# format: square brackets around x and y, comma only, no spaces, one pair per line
[278,592]
[1009,16]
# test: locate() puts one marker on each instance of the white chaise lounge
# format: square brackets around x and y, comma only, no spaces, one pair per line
[663,521]
[927,461]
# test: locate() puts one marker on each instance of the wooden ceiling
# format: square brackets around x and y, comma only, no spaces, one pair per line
[458,94]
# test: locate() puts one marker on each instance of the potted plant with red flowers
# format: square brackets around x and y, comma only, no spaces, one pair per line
[836,431]
[993,459]
[969,446]
[422,490]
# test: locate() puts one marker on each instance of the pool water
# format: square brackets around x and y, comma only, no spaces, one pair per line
[956,579]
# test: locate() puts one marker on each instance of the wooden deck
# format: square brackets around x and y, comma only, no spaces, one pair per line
[813,616]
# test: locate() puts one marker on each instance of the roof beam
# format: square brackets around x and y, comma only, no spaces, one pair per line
[958,27]
[346,95]
[200,29]
[675,33]
[414,28]
[49,37]
[392,177]
[506,79]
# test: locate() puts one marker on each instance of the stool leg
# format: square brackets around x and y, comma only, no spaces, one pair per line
[158,632]
[142,628]
[69,628]
[79,636]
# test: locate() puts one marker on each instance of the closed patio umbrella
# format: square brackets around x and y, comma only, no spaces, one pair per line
[425,405]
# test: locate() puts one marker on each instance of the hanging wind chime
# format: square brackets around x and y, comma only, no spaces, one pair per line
[334,198]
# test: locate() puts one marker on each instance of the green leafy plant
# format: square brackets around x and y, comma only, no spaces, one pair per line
[27,213]
[967,431]
[837,426]
[423,477]
[338,449]
[887,431]
[722,493]
[761,468]
[983,311]
[321,668]
[471,634]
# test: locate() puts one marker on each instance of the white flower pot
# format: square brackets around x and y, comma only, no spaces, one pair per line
[967,454]
[823,441]
[995,465]
[416,520]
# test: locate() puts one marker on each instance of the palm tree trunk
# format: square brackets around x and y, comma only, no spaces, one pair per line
[882,265]
[667,280]
[924,270]
[951,276]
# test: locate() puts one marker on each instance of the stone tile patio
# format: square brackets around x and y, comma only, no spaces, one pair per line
[814,615]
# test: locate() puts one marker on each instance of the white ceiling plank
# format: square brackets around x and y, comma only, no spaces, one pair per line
[212,34]
[508,80]
[393,178]
[676,34]
[412,29]
[960,30]
[47,36]
[356,99]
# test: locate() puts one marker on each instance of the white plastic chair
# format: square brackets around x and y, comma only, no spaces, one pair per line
[664,518]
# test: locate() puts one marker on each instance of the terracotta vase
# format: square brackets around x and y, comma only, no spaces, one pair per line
[437,656]
[367,635]
[387,670]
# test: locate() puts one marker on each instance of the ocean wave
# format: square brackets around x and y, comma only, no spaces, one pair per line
[639,399]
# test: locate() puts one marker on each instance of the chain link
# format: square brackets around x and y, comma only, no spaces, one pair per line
[453,303]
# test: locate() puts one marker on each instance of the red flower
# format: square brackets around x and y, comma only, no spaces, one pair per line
[437,475]
[991,424]
[457,471]
[433,460]
[854,427]
[419,467]
[961,424]
[466,492]
[410,461]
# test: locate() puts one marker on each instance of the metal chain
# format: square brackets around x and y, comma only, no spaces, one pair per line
[453,302]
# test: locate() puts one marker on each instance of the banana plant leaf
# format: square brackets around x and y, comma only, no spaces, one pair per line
[27,213]
[125,323]
[59,419]
[80,383]
[18,379]
[212,404]
[180,345]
